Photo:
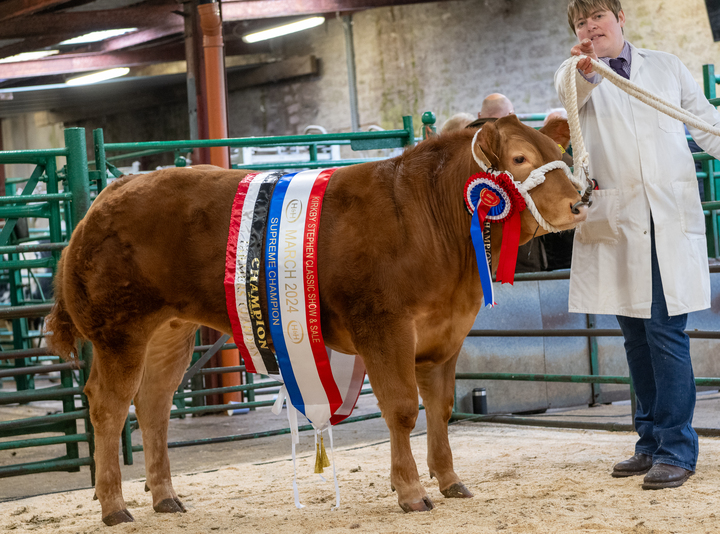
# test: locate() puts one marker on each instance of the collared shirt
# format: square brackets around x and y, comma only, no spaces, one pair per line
[625,54]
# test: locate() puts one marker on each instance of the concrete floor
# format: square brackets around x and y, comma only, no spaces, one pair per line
[276,448]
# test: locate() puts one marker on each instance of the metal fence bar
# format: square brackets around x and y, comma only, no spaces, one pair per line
[226,389]
[577,332]
[549,423]
[258,141]
[25,353]
[49,393]
[41,420]
[39,247]
[254,435]
[40,442]
[538,377]
[42,467]
[41,369]
[15,312]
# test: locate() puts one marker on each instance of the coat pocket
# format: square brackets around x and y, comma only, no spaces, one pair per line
[601,225]
[666,122]
[687,198]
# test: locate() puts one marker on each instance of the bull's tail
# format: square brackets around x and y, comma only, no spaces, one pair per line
[61,334]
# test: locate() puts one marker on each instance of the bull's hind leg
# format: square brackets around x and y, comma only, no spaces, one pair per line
[168,354]
[390,362]
[113,381]
[437,384]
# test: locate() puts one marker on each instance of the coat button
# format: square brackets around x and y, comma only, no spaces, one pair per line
[645,232]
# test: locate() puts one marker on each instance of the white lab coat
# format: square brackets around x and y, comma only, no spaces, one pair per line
[641,161]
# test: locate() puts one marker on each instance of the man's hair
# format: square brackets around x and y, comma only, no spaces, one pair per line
[583,8]
[457,122]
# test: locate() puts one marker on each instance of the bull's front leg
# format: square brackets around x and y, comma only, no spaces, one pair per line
[437,384]
[390,363]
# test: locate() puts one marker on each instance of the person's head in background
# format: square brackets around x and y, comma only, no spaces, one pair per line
[457,122]
[495,106]
[555,113]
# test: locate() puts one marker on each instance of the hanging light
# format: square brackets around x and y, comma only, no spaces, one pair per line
[98,76]
[28,56]
[94,37]
[283,30]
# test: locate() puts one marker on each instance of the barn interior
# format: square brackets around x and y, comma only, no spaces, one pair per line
[363,67]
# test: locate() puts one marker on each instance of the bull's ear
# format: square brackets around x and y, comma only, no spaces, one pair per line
[558,130]
[489,141]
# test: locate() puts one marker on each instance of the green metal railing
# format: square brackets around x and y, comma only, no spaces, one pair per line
[68,207]
[594,379]
[48,205]
[75,197]
[357,140]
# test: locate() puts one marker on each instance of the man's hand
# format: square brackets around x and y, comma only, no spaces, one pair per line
[585,48]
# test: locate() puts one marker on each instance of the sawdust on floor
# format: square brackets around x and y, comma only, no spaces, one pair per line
[524,480]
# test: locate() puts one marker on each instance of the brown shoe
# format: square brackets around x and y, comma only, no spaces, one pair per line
[665,476]
[638,464]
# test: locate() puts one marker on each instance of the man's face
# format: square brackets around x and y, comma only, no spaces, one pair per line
[604,30]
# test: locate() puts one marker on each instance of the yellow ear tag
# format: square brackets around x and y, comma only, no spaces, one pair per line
[562,150]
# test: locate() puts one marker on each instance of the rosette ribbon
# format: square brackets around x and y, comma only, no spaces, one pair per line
[493,196]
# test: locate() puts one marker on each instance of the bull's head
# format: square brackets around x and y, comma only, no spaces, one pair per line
[508,145]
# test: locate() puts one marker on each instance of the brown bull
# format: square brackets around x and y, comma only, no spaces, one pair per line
[398,283]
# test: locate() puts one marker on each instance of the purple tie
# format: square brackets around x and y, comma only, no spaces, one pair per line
[617,66]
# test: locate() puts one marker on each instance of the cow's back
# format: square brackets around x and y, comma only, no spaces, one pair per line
[153,242]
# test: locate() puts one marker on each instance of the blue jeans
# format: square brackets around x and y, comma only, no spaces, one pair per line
[658,355]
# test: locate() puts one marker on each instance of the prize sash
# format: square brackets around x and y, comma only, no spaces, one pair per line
[323,385]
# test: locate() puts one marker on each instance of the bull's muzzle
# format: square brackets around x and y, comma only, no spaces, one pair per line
[586,199]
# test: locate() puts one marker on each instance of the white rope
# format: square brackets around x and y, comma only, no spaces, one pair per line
[480,162]
[579,153]
[537,177]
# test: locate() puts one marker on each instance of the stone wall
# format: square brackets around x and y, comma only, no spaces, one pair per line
[444,57]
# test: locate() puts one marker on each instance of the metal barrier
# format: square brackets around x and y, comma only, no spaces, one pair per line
[594,378]
[76,199]
[356,140]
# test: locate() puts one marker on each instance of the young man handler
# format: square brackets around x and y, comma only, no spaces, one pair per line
[641,255]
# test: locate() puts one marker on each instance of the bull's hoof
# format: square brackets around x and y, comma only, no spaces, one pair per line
[121,516]
[147,488]
[169,506]
[457,491]
[424,505]
[180,504]
[95,497]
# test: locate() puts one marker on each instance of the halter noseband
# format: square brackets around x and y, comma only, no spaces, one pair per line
[536,177]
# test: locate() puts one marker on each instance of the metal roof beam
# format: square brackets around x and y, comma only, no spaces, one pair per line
[67,65]
[18,8]
[82,22]
[265,9]
[131,39]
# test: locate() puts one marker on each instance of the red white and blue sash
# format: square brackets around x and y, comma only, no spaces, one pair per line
[321,384]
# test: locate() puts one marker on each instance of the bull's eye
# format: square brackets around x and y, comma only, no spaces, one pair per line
[518,160]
